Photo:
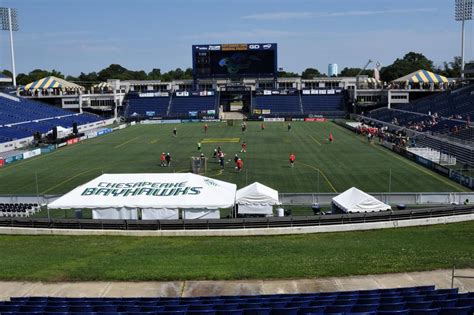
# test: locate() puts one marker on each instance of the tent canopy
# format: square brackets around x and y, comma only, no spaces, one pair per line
[257,194]
[102,86]
[422,76]
[355,200]
[149,191]
[51,83]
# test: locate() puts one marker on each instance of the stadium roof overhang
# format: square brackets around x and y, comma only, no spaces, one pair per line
[5,79]
[149,191]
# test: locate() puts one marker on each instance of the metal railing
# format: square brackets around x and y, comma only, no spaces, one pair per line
[247,223]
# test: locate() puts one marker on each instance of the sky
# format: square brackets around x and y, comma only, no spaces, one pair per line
[75,36]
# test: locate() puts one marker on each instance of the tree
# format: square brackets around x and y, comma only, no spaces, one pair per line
[451,69]
[285,74]
[154,74]
[411,62]
[352,72]
[310,73]
[7,73]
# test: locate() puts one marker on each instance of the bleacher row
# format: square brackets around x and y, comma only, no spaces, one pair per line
[20,119]
[446,104]
[18,209]
[169,106]
[453,110]
[294,104]
[423,300]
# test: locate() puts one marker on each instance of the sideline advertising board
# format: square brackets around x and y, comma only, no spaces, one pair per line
[31,154]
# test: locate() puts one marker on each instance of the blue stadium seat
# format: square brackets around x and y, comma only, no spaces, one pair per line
[461,310]
[425,311]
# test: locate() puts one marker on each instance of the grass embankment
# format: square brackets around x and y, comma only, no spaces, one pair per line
[63,258]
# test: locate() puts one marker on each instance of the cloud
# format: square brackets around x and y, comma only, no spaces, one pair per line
[242,35]
[309,15]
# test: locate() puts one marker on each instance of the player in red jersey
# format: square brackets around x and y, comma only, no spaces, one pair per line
[292,159]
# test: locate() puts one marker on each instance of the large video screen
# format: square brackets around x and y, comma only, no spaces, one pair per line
[234,60]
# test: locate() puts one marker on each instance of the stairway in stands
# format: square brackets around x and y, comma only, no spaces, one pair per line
[232,116]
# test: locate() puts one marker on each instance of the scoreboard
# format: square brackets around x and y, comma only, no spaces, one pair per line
[234,60]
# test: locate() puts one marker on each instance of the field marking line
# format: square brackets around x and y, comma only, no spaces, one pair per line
[322,174]
[315,140]
[68,179]
[128,141]
[410,163]
[36,158]
[154,141]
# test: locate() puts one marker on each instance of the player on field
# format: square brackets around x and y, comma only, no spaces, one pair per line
[205,128]
[240,164]
[330,137]
[289,127]
[168,159]
[199,146]
[221,159]
[244,147]
[175,132]
[262,126]
[163,159]
[292,159]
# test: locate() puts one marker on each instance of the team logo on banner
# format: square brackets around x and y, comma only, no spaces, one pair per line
[142,188]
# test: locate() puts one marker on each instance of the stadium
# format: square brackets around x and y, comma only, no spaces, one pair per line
[236,187]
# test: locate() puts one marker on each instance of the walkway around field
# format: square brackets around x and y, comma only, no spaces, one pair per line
[439,278]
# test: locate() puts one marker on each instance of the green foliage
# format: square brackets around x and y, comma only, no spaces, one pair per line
[352,72]
[114,258]
[409,63]
[288,74]
[37,74]
[310,73]
[451,69]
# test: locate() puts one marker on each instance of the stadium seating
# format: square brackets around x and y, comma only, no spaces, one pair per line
[182,105]
[447,104]
[278,104]
[412,300]
[451,108]
[147,106]
[322,104]
[18,209]
[20,119]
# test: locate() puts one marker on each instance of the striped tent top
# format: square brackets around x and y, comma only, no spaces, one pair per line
[422,76]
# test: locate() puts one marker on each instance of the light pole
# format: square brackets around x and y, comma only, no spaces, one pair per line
[462,12]
[9,22]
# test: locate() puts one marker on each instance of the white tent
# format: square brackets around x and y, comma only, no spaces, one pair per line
[150,192]
[355,200]
[256,199]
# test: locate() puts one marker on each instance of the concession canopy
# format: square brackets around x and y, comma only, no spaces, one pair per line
[256,199]
[149,191]
[355,200]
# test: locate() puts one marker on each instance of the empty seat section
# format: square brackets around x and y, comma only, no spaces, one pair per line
[278,104]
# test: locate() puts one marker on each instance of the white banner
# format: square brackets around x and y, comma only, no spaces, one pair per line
[273,119]
[160,214]
[31,154]
[201,214]
[114,214]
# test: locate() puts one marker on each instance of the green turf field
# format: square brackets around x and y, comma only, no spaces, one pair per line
[320,166]
[76,258]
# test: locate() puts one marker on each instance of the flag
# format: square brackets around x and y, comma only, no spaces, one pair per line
[376,74]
